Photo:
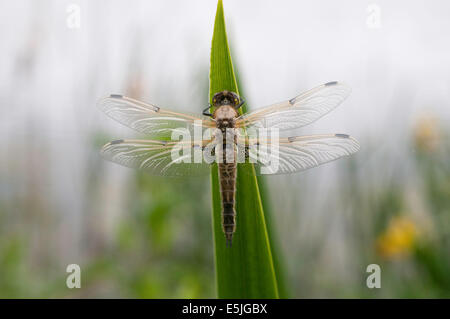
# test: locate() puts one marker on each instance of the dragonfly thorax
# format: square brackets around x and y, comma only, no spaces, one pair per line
[225,116]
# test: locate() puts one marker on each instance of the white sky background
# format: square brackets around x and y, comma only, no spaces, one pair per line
[51,76]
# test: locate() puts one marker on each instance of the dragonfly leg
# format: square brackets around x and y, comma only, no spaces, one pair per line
[240,104]
[206,111]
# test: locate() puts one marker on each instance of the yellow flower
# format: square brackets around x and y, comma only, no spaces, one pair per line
[398,239]
[426,133]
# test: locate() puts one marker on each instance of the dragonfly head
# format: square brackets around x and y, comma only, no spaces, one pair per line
[225,98]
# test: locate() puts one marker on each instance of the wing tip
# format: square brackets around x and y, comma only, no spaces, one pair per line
[107,145]
[340,83]
[356,144]
[102,103]
[116,142]
[111,96]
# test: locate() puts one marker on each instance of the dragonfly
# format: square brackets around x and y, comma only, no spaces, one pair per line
[228,138]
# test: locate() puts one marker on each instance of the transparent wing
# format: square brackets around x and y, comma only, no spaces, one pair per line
[295,154]
[299,111]
[151,119]
[160,157]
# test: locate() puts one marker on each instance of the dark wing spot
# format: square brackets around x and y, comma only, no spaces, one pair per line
[156,108]
[116,142]
[331,83]
[292,101]
[116,96]
[342,135]
[291,139]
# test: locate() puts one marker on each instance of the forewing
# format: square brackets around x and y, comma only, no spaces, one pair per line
[299,111]
[160,157]
[295,154]
[150,119]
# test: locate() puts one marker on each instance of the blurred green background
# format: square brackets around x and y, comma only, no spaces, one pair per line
[141,236]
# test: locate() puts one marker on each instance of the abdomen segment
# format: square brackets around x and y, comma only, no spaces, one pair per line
[227,175]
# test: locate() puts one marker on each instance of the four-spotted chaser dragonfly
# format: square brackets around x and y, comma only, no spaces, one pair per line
[228,138]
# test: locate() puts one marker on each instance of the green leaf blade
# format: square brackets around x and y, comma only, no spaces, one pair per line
[245,270]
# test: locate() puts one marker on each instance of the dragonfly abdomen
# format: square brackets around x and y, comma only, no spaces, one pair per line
[227,174]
